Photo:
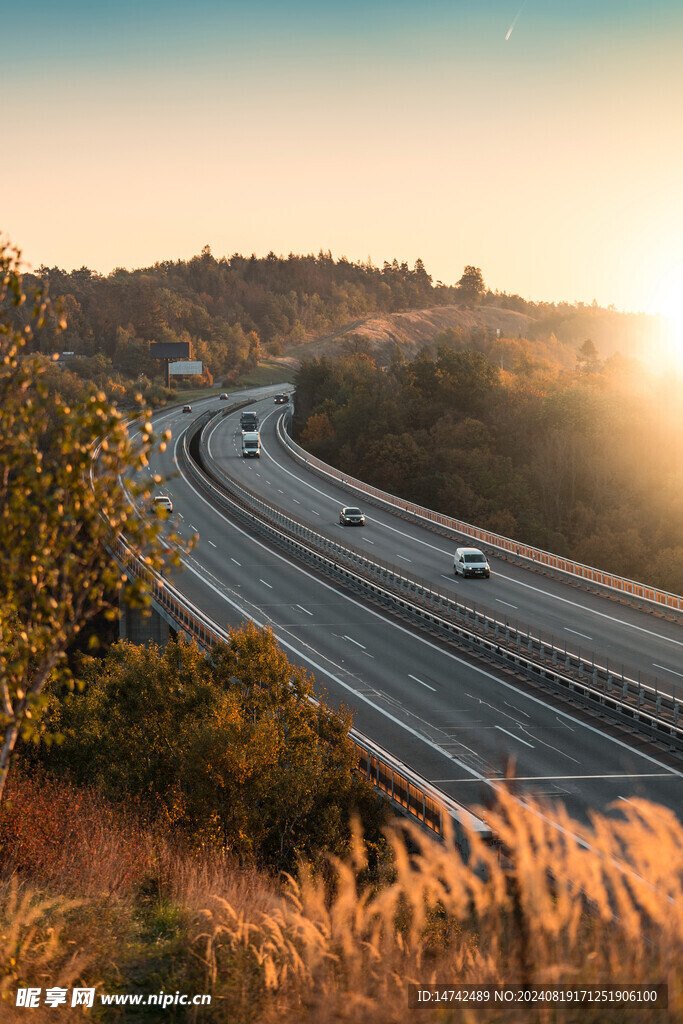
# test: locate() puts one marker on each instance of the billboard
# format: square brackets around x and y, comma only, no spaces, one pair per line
[169,349]
[191,366]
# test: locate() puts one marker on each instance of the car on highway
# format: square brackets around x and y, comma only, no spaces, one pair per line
[351,517]
[224,397]
[162,503]
[281,399]
[187,408]
[471,562]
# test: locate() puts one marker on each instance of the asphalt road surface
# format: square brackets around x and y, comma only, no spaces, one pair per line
[459,725]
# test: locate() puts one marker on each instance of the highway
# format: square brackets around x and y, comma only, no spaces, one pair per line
[457,724]
[624,637]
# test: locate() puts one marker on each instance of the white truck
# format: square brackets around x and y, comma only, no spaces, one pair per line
[251,445]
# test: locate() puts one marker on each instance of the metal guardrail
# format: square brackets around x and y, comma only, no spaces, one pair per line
[644,708]
[636,592]
[395,781]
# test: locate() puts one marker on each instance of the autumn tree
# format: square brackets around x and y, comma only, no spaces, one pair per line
[228,750]
[59,512]
[318,430]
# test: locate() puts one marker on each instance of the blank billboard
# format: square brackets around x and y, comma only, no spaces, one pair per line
[193,366]
[169,349]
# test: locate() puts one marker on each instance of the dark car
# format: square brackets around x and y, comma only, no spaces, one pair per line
[187,408]
[281,399]
[224,397]
[351,517]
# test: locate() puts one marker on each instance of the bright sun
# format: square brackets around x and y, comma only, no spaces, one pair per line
[667,300]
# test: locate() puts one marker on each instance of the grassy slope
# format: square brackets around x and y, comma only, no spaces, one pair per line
[149,917]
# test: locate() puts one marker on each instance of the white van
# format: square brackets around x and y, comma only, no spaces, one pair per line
[471,562]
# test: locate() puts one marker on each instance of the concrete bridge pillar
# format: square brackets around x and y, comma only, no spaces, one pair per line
[142,626]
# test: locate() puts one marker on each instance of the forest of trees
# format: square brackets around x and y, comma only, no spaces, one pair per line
[231,310]
[586,463]
[235,311]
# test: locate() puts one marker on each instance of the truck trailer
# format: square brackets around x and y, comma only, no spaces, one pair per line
[248,421]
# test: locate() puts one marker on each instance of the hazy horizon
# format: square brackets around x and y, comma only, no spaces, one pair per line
[540,144]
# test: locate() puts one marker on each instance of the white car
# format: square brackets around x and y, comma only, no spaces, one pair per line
[471,562]
[161,502]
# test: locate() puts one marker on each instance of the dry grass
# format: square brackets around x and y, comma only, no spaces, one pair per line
[32,943]
[553,912]
[70,839]
[111,905]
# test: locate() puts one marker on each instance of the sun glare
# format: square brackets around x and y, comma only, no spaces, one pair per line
[667,301]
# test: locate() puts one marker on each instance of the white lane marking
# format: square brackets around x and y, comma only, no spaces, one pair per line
[592,611]
[280,491]
[449,578]
[422,682]
[368,541]
[576,633]
[296,501]
[180,515]
[404,558]
[193,527]
[212,544]
[514,737]
[269,585]
[652,807]
[304,609]
[528,586]
[500,601]
[673,673]
[269,483]
[668,770]
[353,641]
[618,777]
[235,560]
[314,512]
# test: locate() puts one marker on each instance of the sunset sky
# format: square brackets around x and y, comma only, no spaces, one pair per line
[141,130]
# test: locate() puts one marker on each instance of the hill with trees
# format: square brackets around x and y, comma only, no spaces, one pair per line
[235,311]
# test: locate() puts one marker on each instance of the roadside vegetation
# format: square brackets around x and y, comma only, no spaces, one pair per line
[227,751]
[91,894]
[584,463]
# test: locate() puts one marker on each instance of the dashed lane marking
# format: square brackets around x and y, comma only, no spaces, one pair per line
[514,737]
[422,682]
